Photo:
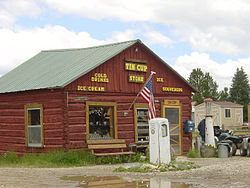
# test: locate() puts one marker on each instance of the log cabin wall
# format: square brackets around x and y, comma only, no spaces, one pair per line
[125,124]
[12,120]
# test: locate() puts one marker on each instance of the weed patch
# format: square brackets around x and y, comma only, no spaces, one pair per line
[50,159]
[147,167]
[193,154]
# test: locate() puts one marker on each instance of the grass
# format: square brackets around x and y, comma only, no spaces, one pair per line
[50,159]
[193,154]
[56,159]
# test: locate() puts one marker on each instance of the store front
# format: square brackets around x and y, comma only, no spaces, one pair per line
[87,95]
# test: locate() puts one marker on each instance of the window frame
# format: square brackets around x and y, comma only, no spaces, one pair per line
[28,107]
[92,103]
[225,113]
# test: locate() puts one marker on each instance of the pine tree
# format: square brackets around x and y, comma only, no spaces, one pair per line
[240,90]
[204,83]
[224,95]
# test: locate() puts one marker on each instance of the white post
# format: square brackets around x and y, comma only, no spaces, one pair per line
[209,137]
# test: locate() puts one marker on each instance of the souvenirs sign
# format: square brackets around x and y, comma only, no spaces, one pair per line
[172,89]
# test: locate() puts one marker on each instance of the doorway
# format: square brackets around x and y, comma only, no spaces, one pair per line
[172,111]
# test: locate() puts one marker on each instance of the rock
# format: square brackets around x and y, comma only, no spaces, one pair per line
[142,158]
[176,165]
[131,165]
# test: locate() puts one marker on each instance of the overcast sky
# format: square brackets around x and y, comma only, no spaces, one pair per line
[186,34]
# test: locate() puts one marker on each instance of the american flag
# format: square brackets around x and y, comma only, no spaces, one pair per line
[147,95]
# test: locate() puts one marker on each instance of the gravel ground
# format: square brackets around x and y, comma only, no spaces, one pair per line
[214,172]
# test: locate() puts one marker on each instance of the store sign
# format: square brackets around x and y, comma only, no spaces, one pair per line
[100,77]
[172,102]
[159,80]
[90,88]
[135,67]
[172,89]
[136,78]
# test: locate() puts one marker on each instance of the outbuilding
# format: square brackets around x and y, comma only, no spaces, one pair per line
[226,115]
[59,99]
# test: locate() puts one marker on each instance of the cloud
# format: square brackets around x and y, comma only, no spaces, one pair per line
[111,9]
[10,10]
[18,46]
[218,26]
[154,37]
[222,72]
[118,36]
[208,26]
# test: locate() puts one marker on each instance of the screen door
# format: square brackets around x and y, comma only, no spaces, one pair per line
[173,114]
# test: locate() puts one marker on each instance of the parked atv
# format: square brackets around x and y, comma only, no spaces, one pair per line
[226,137]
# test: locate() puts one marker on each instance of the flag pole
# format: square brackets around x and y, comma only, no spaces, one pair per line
[141,90]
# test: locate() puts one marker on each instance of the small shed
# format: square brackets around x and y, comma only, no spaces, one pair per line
[59,99]
[227,115]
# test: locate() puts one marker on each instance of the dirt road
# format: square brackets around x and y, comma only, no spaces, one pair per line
[214,172]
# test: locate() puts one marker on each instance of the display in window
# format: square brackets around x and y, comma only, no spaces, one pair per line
[142,124]
[100,122]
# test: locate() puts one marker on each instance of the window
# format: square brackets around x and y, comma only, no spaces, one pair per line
[227,113]
[101,120]
[34,125]
[141,123]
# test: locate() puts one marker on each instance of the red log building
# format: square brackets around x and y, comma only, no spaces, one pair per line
[61,98]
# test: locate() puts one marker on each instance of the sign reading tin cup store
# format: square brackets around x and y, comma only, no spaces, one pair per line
[136,65]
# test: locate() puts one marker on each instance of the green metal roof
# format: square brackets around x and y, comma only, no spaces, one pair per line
[58,68]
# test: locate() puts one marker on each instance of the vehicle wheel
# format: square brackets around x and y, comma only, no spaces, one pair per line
[248,150]
[243,152]
[234,149]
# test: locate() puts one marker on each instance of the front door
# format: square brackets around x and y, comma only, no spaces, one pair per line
[173,114]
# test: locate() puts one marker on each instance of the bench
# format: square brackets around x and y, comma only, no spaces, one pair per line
[116,145]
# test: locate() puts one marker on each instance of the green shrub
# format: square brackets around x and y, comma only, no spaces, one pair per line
[193,154]
[137,157]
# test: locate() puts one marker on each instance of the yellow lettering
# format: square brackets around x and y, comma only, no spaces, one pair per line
[135,67]
[172,89]
[159,80]
[126,66]
[138,67]
[81,88]
[136,79]
[99,77]
[90,88]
